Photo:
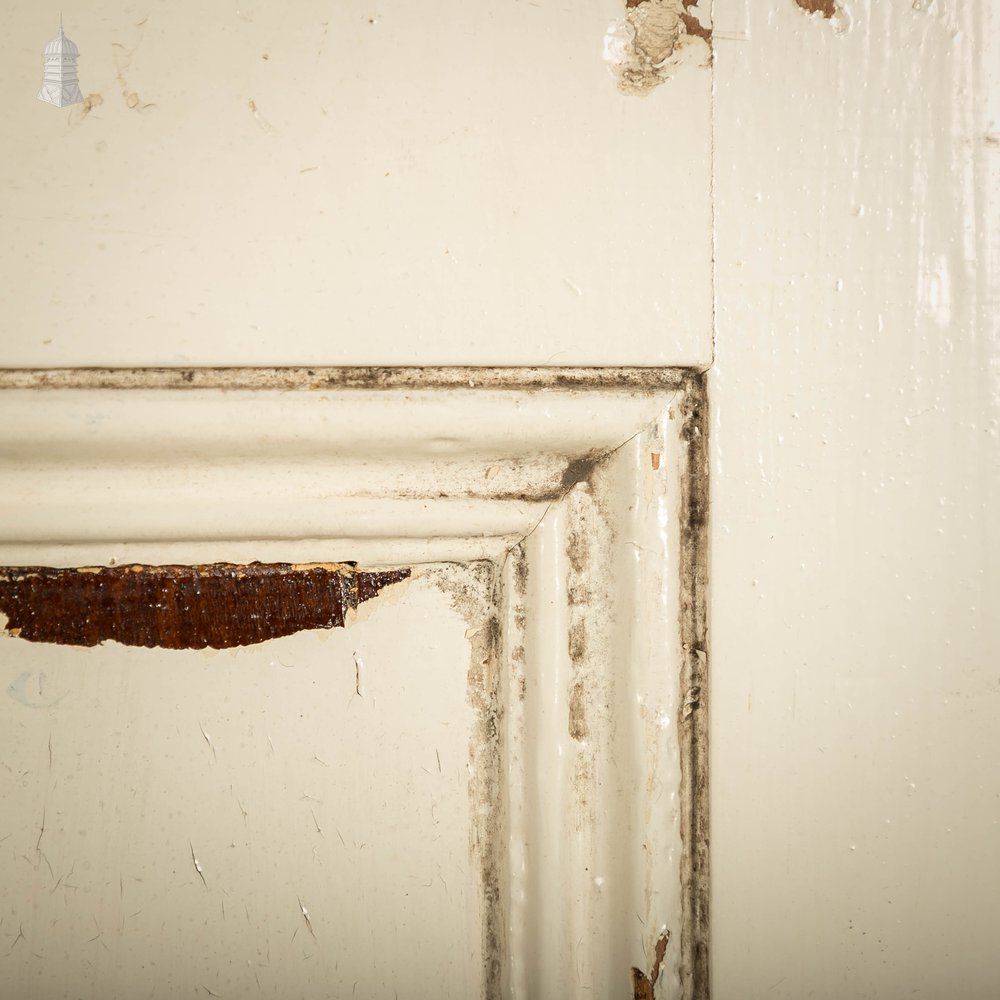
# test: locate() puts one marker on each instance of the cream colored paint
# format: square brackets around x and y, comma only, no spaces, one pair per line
[92,476]
[595,785]
[560,515]
[121,767]
[855,636]
[349,183]
[854,392]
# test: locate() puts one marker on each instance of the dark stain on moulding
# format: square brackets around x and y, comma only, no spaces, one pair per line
[577,470]
[693,716]
[620,380]
[827,8]
[643,986]
[221,605]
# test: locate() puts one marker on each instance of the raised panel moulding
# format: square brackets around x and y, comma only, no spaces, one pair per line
[581,493]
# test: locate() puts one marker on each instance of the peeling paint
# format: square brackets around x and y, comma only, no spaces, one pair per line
[836,12]
[591,712]
[221,605]
[693,25]
[640,49]
[827,8]
[643,986]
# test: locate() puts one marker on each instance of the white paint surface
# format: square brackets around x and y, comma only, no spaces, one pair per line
[855,541]
[248,761]
[349,183]
[94,476]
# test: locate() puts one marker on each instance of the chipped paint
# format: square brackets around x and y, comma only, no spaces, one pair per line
[597,723]
[221,605]
[692,24]
[836,12]
[308,778]
[825,7]
[643,986]
[642,47]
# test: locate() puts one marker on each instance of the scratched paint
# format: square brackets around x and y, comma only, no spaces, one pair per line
[183,607]
[192,820]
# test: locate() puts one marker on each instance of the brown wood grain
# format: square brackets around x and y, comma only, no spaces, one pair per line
[221,605]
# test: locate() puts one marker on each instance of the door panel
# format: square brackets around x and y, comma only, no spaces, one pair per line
[486,779]
[288,818]
[317,183]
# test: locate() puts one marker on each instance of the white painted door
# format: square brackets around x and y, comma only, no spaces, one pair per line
[492,778]
[243,764]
